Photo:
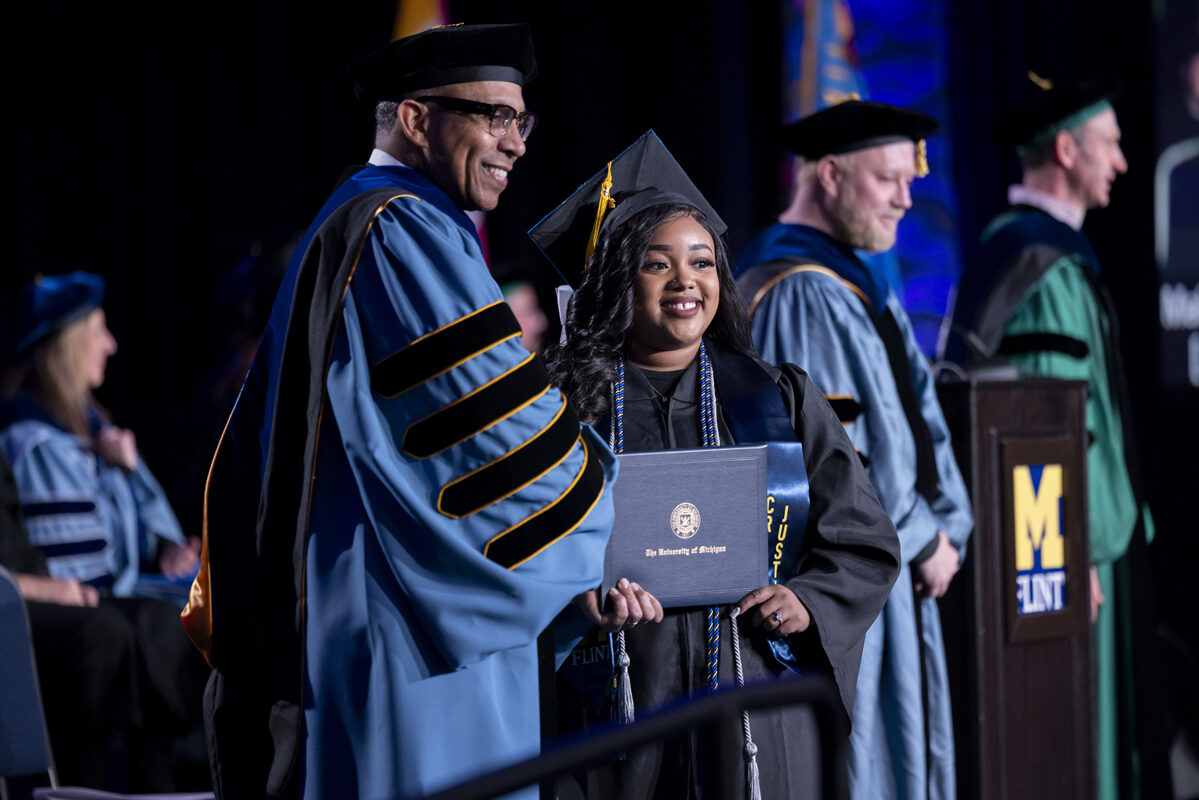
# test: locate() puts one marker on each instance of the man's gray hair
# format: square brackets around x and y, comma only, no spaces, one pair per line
[385,110]
[385,115]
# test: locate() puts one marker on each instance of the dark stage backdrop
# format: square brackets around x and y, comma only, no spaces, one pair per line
[178,149]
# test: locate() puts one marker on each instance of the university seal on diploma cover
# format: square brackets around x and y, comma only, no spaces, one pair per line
[684,520]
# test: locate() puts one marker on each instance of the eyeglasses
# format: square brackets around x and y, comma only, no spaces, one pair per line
[499,116]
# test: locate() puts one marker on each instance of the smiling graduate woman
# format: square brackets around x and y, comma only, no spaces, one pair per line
[657,357]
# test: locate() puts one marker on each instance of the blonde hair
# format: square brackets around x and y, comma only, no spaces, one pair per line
[52,373]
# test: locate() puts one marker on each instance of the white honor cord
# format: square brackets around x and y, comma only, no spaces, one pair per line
[612,417]
[752,777]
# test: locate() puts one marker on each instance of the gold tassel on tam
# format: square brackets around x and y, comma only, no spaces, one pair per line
[606,202]
[1042,83]
[921,158]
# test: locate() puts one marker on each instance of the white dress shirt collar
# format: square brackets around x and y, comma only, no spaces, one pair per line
[381,159]
[1068,213]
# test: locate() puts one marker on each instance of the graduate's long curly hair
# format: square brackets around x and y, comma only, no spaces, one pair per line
[601,310]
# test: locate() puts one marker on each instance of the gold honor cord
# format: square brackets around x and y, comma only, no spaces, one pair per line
[605,202]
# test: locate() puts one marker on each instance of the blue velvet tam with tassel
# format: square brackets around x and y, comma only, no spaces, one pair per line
[51,303]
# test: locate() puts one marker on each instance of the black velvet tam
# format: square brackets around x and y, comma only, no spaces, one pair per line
[1049,107]
[855,125]
[445,55]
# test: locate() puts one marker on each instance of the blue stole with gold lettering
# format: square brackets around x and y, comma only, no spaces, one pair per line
[755,413]
[787,504]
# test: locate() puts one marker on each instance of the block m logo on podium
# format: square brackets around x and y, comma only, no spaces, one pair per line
[1039,544]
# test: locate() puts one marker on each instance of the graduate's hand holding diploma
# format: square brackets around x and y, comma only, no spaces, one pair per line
[777,610]
[629,606]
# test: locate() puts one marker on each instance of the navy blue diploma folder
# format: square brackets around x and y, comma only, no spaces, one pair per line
[690,524]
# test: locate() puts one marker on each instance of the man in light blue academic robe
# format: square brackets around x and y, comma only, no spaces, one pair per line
[401,502]
[817,304]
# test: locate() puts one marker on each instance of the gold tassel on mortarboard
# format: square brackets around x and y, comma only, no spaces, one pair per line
[921,158]
[605,202]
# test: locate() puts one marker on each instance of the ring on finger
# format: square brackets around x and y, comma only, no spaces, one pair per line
[778,618]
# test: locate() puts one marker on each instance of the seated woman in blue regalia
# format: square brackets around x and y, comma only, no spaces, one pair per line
[110,564]
[657,356]
[89,501]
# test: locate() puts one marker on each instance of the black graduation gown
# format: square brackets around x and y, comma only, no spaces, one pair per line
[848,563]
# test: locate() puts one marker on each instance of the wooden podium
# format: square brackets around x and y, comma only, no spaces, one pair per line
[1016,619]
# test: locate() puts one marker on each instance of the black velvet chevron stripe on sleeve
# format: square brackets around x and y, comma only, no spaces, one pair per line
[477,411]
[1018,344]
[514,470]
[521,542]
[78,548]
[845,407]
[443,349]
[54,508]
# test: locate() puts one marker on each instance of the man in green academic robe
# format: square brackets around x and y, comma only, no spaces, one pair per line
[1033,296]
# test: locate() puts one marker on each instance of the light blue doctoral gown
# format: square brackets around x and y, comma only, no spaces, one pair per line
[95,521]
[815,320]
[421,655]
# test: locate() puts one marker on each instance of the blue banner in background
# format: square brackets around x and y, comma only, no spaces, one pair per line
[893,51]
[819,57]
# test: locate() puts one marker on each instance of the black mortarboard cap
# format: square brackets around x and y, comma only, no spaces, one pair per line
[1052,106]
[855,125]
[644,175]
[445,55]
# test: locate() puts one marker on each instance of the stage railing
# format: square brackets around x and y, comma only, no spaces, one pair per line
[721,708]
